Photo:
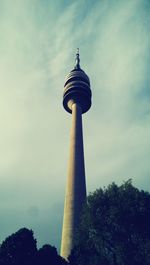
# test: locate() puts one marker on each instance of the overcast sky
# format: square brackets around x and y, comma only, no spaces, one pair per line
[38,41]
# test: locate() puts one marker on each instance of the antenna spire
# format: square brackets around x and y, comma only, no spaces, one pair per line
[77,60]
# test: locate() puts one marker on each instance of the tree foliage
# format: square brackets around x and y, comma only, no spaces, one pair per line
[20,249]
[47,255]
[115,228]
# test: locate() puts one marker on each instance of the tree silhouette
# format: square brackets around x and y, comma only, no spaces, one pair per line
[47,255]
[115,228]
[19,248]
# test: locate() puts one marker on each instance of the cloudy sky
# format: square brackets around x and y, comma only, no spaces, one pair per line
[38,41]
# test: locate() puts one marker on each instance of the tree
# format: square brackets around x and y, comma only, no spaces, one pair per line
[19,248]
[47,255]
[115,228]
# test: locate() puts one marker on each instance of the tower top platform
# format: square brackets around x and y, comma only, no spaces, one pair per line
[77,88]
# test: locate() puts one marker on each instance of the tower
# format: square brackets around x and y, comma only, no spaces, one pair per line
[76,100]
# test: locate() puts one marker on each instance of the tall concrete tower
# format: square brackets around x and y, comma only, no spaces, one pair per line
[76,100]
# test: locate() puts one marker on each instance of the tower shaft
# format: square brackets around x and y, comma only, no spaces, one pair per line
[76,186]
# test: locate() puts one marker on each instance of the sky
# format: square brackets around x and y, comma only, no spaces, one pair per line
[38,41]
